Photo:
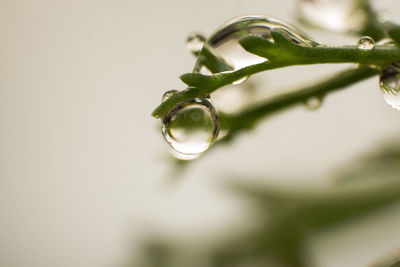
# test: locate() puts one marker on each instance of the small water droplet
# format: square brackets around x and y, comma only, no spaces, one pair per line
[241,80]
[313,102]
[366,43]
[191,127]
[168,94]
[389,81]
[195,43]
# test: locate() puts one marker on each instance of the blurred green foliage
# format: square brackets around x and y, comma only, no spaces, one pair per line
[288,217]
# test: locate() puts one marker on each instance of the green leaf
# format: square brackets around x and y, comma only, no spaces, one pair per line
[198,80]
[394,33]
[281,47]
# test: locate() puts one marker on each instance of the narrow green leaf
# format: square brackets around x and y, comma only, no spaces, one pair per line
[258,46]
[197,79]
[394,33]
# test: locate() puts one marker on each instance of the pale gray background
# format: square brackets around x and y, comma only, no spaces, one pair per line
[83,167]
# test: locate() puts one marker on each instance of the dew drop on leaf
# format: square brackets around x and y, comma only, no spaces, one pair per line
[195,43]
[389,81]
[191,127]
[222,52]
[313,102]
[168,94]
[366,43]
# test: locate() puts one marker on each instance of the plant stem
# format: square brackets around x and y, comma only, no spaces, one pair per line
[200,85]
[249,117]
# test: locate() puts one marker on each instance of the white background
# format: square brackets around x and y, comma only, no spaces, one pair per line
[83,167]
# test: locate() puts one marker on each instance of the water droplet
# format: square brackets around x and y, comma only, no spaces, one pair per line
[222,52]
[241,80]
[313,102]
[168,94]
[195,43]
[191,127]
[366,43]
[389,81]
[334,15]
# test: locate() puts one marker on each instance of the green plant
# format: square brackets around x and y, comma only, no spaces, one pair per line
[296,214]
[281,50]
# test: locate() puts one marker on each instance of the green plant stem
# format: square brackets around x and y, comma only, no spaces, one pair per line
[247,118]
[282,53]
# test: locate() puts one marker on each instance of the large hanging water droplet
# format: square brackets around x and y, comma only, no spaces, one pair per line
[223,52]
[389,81]
[366,43]
[168,94]
[335,15]
[191,127]
[195,43]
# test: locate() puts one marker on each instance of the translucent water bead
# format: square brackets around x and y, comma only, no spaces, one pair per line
[222,51]
[195,43]
[313,102]
[191,127]
[389,81]
[335,15]
[366,43]
[168,94]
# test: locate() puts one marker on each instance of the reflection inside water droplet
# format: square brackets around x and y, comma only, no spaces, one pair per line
[191,127]
[195,43]
[168,94]
[389,81]
[366,43]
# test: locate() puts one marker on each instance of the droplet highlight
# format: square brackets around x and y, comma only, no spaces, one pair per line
[195,43]
[168,94]
[191,128]
[389,81]
[366,43]
[313,102]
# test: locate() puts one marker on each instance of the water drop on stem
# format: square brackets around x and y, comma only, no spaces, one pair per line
[191,127]
[222,52]
[389,81]
[195,43]
[313,102]
[168,94]
[366,43]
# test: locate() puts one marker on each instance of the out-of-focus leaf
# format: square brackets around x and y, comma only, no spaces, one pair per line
[287,218]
